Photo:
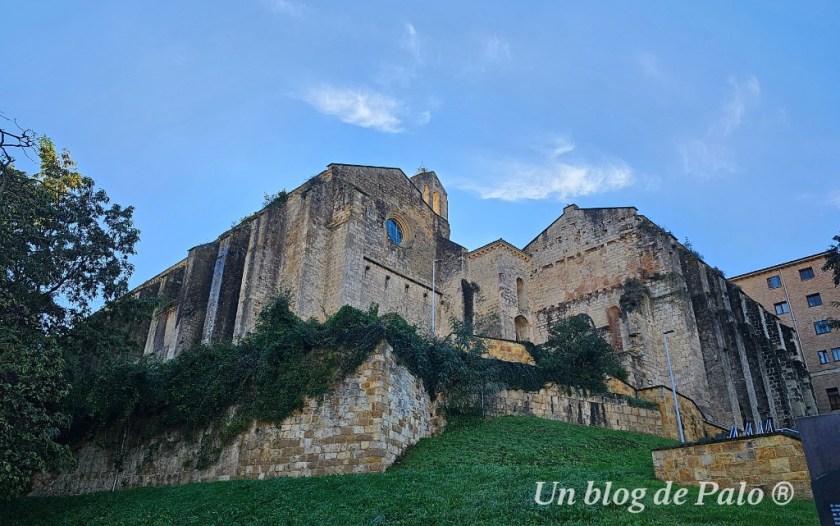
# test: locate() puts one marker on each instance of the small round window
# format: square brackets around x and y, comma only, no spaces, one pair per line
[395,231]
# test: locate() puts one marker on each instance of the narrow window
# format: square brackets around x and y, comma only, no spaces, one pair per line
[814,300]
[436,202]
[426,193]
[782,308]
[822,327]
[833,398]
[835,354]
[806,273]
[774,282]
[823,356]
[614,324]
[520,293]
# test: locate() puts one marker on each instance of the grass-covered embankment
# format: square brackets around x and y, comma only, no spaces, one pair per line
[477,472]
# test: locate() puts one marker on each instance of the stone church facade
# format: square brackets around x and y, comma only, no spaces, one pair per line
[359,235]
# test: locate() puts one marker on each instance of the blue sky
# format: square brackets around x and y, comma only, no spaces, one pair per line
[718,120]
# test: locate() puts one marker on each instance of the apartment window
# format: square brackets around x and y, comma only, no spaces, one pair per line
[774,282]
[814,300]
[782,308]
[806,273]
[823,356]
[833,398]
[835,354]
[822,327]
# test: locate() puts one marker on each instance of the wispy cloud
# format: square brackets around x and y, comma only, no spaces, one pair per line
[358,107]
[744,95]
[490,52]
[411,42]
[406,70]
[712,154]
[650,65]
[496,49]
[556,175]
[286,7]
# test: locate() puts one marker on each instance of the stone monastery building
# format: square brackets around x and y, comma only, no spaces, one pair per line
[359,235]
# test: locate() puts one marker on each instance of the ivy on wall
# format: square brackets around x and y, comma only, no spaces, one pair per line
[269,374]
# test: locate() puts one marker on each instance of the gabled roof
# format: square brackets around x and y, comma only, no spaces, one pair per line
[576,207]
[499,244]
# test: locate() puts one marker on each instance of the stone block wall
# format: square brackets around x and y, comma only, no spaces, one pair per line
[507,351]
[501,270]
[572,406]
[724,354]
[695,425]
[759,461]
[361,426]
[325,246]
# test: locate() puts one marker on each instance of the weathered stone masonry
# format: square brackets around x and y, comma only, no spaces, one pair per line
[361,426]
[759,461]
[326,246]
[732,357]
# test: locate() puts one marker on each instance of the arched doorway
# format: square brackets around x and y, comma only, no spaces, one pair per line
[523,328]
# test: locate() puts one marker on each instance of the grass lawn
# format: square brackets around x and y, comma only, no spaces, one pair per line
[477,472]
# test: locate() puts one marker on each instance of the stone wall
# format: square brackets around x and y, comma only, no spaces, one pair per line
[572,406]
[361,426]
[325,246]
[695,425]
[729,355]
[507,351]
[501,270]
[759,461]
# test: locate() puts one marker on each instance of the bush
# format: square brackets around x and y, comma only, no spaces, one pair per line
[576,355]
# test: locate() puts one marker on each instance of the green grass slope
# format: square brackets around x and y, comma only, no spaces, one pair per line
[477,472]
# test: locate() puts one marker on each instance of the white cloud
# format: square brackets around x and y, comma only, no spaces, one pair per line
[551,177]
[286,7]
[713,154]
[358,107]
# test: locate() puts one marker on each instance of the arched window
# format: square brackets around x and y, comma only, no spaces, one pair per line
[394,230]
[426,193]
[523,328]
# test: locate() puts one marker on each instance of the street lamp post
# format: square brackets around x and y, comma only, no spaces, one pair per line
[673,385]
[434,297]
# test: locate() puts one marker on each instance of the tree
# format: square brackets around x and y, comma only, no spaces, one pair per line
[576,355]
[832,264]
[62,247]
[10,141]
[832,260]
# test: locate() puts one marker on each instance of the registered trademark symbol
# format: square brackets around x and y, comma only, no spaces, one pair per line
[782,493]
